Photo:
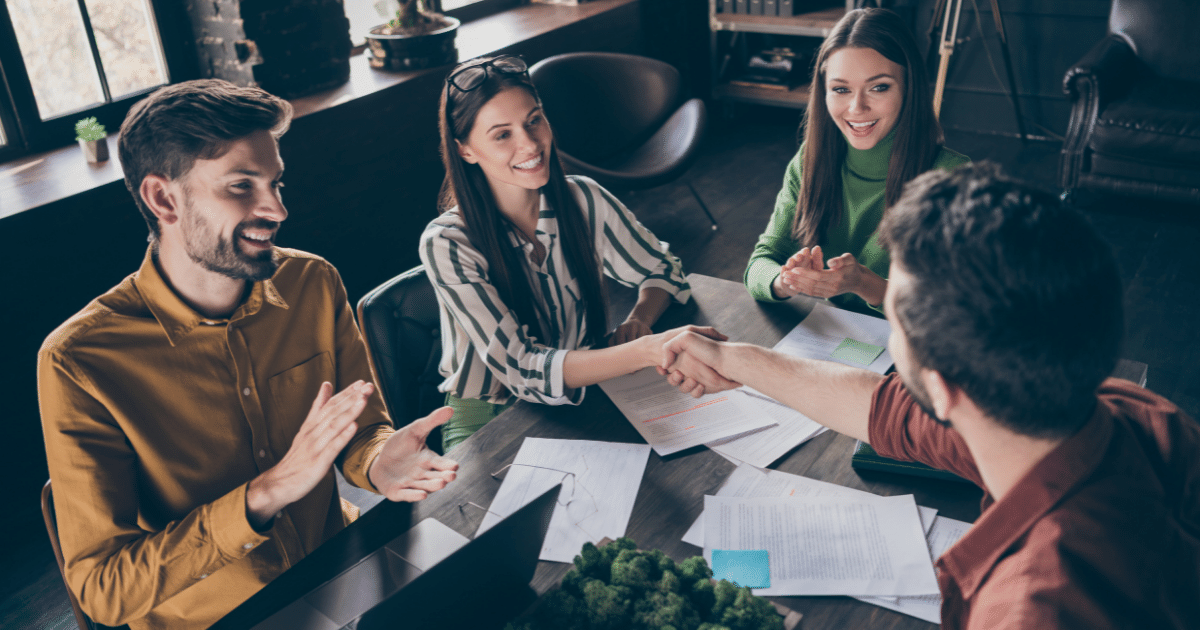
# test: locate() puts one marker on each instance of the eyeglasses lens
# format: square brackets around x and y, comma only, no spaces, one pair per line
[511,65]
[469,78]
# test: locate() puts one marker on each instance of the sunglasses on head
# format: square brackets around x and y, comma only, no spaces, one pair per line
[471,77]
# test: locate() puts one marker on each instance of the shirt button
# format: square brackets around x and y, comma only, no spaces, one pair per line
[262,452]
[248,546]
[279,515]
[246,392]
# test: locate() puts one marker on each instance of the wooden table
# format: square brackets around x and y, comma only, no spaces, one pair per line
[672,491]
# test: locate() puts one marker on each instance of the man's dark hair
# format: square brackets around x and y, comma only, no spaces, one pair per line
[1015,299]
[165,133]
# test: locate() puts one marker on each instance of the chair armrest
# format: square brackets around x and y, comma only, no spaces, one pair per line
[1107,70]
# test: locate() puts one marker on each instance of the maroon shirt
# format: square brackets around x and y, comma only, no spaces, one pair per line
[1104,532]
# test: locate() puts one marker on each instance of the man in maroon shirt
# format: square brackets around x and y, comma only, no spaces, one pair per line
[1006,319]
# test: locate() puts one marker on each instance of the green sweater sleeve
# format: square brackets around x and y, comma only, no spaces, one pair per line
[775,245]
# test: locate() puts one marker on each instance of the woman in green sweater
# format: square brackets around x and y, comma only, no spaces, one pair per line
[869,128]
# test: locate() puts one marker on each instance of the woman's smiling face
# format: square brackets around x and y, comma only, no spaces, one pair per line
[864,93]
[510,141]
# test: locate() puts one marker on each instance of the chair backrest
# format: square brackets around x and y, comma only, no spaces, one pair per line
[1161,33]
[81,619]
[603,104]
[399,320]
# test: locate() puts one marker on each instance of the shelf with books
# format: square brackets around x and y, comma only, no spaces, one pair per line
[813,24]
[761,50]
[775,96]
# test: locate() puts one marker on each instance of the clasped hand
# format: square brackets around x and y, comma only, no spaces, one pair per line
[805,272]
[688,371]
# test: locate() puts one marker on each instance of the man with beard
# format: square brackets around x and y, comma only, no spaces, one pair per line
[189,413]
[1006,320]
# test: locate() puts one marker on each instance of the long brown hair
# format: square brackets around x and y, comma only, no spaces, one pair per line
[918,134]
[467,187]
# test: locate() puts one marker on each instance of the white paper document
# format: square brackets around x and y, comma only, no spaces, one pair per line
[672,421]
[748,481]
[600,483]
[943,535]
[763,448]
[824,333]
[827,545]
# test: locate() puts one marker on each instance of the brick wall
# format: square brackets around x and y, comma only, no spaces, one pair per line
[287,47]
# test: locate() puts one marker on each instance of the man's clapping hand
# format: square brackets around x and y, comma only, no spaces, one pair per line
[406,469]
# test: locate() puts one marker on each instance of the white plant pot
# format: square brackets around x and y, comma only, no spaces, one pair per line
[95,150]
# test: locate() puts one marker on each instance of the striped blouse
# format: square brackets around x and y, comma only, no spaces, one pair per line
[489,355]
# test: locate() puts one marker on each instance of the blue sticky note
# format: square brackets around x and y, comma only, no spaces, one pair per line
[749,567]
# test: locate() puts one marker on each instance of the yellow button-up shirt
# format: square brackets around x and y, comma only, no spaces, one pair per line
[155,418]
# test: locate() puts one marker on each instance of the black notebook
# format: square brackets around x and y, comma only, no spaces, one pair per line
[865,458]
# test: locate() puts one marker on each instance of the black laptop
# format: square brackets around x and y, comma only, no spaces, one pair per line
[481,585]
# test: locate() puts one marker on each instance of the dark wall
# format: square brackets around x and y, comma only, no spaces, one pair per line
[1045,39]
[362,181]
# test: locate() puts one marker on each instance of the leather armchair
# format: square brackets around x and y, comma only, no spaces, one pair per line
[1135,113]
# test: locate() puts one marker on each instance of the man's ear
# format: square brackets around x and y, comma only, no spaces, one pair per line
[466,153]
[943,396]
[159,195]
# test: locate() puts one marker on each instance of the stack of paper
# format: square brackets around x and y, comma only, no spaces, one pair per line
[750,482]
[831,334]
[672,421]
[943,535]
[762,448]
[825,539]
[827,545]
[827,334]
[600,483]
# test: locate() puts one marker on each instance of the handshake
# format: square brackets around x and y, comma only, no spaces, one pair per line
[692,360]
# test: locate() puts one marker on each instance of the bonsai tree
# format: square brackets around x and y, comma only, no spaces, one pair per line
[414,18]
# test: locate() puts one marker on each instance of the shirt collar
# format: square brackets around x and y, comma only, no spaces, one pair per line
[971,559]
[546,230]
[176,317]
[871,164]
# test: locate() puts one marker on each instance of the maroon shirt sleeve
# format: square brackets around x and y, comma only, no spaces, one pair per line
[899,429]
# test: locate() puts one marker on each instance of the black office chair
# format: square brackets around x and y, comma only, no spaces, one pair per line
[621,119]
[399,320]
[48,514]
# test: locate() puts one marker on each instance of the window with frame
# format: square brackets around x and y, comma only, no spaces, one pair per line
[62,60]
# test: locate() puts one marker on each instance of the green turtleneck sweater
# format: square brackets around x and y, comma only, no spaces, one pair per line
[864,178]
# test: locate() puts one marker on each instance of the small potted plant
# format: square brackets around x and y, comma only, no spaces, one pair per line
[92,139]
[416,38]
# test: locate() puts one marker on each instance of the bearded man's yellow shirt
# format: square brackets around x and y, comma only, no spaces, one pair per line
[156,418]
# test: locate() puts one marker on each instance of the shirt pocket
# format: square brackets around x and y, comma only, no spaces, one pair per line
[293,391]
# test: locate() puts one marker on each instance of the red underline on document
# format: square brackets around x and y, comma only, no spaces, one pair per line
[703,404]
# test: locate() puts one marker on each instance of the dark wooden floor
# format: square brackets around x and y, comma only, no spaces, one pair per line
[738,176]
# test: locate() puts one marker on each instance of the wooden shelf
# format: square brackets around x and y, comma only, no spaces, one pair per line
[815,24]
[796,98]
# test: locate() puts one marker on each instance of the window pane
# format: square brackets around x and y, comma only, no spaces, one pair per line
[57,56]
[365,15]
[129,45]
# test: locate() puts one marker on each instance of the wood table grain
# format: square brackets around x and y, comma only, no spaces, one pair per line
[672,492]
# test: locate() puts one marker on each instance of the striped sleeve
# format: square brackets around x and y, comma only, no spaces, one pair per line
[630,253]
[489,344]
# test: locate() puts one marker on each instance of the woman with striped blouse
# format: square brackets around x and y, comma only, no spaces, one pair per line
[516,257]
